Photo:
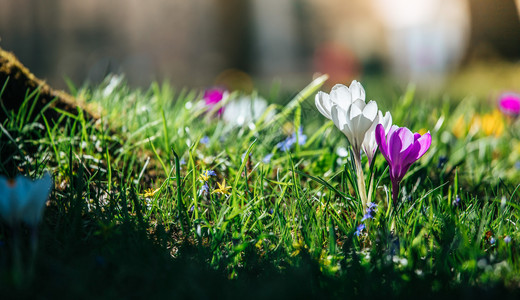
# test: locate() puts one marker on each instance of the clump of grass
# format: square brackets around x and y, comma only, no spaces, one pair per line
[130,206]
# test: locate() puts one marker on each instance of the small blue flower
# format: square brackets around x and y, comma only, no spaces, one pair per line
[204,140]
[211,173]
[371,210]
[492,241]
[366,217]
[271,211]
[507,239]
[456,202]
[442,161]
[267,158]
[192,208]
[360,228]
[287,144]
[205,187]
[302,137]
[182,162]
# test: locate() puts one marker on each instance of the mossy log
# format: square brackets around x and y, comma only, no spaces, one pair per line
[18,82]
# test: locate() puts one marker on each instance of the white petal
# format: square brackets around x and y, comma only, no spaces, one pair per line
[356,109]
[357,91]
[323,104]
[339,117]
[370,110]
[370,144]
[387,122]
[341,96]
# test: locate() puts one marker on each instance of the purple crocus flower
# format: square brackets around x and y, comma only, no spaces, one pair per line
[214,95]
[401,148]
[509,104]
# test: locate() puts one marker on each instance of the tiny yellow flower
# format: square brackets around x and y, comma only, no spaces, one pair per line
[475,124]
[204,176]
[149,193]
[222,188]
[493,123]
[459,128]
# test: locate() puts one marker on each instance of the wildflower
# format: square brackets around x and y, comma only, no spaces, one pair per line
[23,199]
[339,95]
[360,228]
[214,95]
[492,124]
[245,110]
[509,104]
[150,193]
[342,152]
[346,107]
[507,239]
[222,188]
[370,211]
[287,144]
[492,241]
[366,217]
[459,128]
[204,140]
[442,161]
[401,148]
[355,121]
[205,188]
[369,144]
[204,176]
[372,207]
[456,202]
[267,158]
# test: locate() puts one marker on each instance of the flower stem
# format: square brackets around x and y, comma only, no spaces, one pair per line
[395,191]
[360,179]
[17,258]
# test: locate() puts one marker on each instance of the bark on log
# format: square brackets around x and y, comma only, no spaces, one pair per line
[18,82]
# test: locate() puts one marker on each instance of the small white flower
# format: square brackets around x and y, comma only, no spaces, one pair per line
[23,200]
[339,95]
[244,110]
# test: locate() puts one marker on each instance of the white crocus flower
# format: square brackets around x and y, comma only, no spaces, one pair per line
[23,200]
[355,121]
[369,145]
[340,95]
[245,110]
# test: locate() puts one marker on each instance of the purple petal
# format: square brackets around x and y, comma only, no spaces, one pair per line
[395,146]
[406,137]
[381,142]
[410,158]
[425,141]
[509,104]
